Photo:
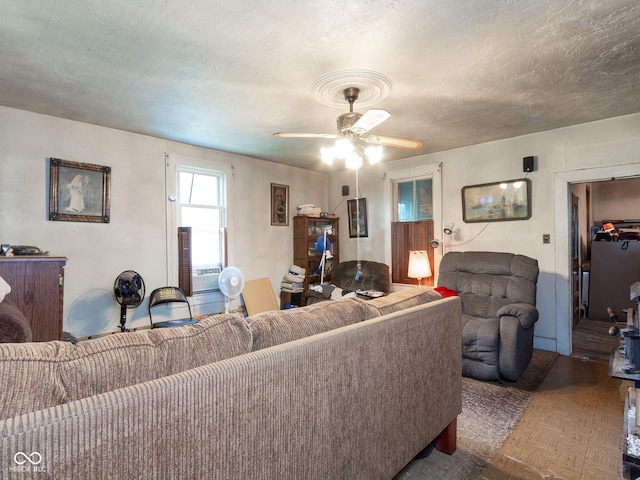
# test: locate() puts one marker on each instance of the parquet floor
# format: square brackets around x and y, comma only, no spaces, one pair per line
[571,429]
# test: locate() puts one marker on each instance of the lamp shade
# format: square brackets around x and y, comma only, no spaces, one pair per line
[419,266]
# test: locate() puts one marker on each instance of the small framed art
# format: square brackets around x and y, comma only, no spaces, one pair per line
[357,213]
[279,204]
[79,192]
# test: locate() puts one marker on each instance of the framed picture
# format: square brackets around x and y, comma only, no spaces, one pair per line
[497,202]
[279,204]
[357,213]
[79,192]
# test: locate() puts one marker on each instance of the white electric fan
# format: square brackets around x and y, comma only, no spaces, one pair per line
[231,283]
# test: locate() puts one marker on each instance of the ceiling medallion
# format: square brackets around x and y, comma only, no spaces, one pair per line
[329,89]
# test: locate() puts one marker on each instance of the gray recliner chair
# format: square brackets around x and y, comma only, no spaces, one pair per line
[498,293]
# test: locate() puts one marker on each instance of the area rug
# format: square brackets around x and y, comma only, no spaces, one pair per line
[490,410]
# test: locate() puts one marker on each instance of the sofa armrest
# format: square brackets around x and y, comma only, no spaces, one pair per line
[526,314]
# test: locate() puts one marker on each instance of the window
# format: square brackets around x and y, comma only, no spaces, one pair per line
[200,205]
[197,192]
[414,199]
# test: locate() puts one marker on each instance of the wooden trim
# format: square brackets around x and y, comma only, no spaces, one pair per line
[407,236]
[185,274]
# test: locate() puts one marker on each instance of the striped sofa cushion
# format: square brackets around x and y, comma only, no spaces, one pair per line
[281,326]
[401,300]
[43,374]
[29,378]
[117,361]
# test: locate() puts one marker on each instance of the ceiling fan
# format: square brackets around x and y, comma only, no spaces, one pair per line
[354,125]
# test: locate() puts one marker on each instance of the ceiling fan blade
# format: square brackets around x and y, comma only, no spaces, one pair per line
[369,120]
[304,135]
[396,142]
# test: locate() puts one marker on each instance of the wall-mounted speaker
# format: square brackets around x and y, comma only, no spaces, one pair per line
[528,164]
[345,190]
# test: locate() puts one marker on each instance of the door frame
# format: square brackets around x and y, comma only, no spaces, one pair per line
[562,246]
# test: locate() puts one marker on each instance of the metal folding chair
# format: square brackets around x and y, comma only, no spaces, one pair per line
[165,295]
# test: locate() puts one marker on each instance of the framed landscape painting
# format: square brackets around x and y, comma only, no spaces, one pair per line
[497,202]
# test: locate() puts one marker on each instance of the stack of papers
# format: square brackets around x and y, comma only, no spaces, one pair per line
[309,210]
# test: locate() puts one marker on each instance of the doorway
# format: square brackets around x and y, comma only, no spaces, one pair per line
[601,271]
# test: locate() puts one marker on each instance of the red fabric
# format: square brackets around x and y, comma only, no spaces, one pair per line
[446,292]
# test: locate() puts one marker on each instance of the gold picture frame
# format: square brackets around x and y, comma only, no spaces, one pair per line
[279,204]
[79,192]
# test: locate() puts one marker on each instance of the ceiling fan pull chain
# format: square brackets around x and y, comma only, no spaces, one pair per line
[357,217]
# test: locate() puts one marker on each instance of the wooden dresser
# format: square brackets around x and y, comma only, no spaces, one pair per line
[37,289]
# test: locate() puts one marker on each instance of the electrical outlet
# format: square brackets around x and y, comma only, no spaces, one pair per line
[546,238]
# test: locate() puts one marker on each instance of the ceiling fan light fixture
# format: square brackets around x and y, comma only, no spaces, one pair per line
[327,155]
[344,148]
[374,154]
[351,127]
[354,162]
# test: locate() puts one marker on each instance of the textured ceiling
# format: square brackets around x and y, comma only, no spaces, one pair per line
[227,75]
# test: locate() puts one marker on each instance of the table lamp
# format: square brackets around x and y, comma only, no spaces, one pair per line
[419,266]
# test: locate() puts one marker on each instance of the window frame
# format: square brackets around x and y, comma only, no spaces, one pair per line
[416,207]
[433,171]
[173,164]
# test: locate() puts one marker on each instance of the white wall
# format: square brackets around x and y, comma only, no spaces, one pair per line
[619,200]
[594,151]
[135,237]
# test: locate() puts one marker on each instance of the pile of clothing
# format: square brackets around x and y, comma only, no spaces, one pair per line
[292,281]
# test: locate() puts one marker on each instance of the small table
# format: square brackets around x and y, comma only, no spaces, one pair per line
[616,361]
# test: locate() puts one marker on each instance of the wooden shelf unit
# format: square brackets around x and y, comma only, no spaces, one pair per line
[306,231]
[37,289]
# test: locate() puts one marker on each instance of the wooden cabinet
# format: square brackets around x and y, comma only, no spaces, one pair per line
[306,231]
[291,298]
[37,289]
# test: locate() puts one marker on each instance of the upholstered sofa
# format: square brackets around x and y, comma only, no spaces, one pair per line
[350,389]
[498,292]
